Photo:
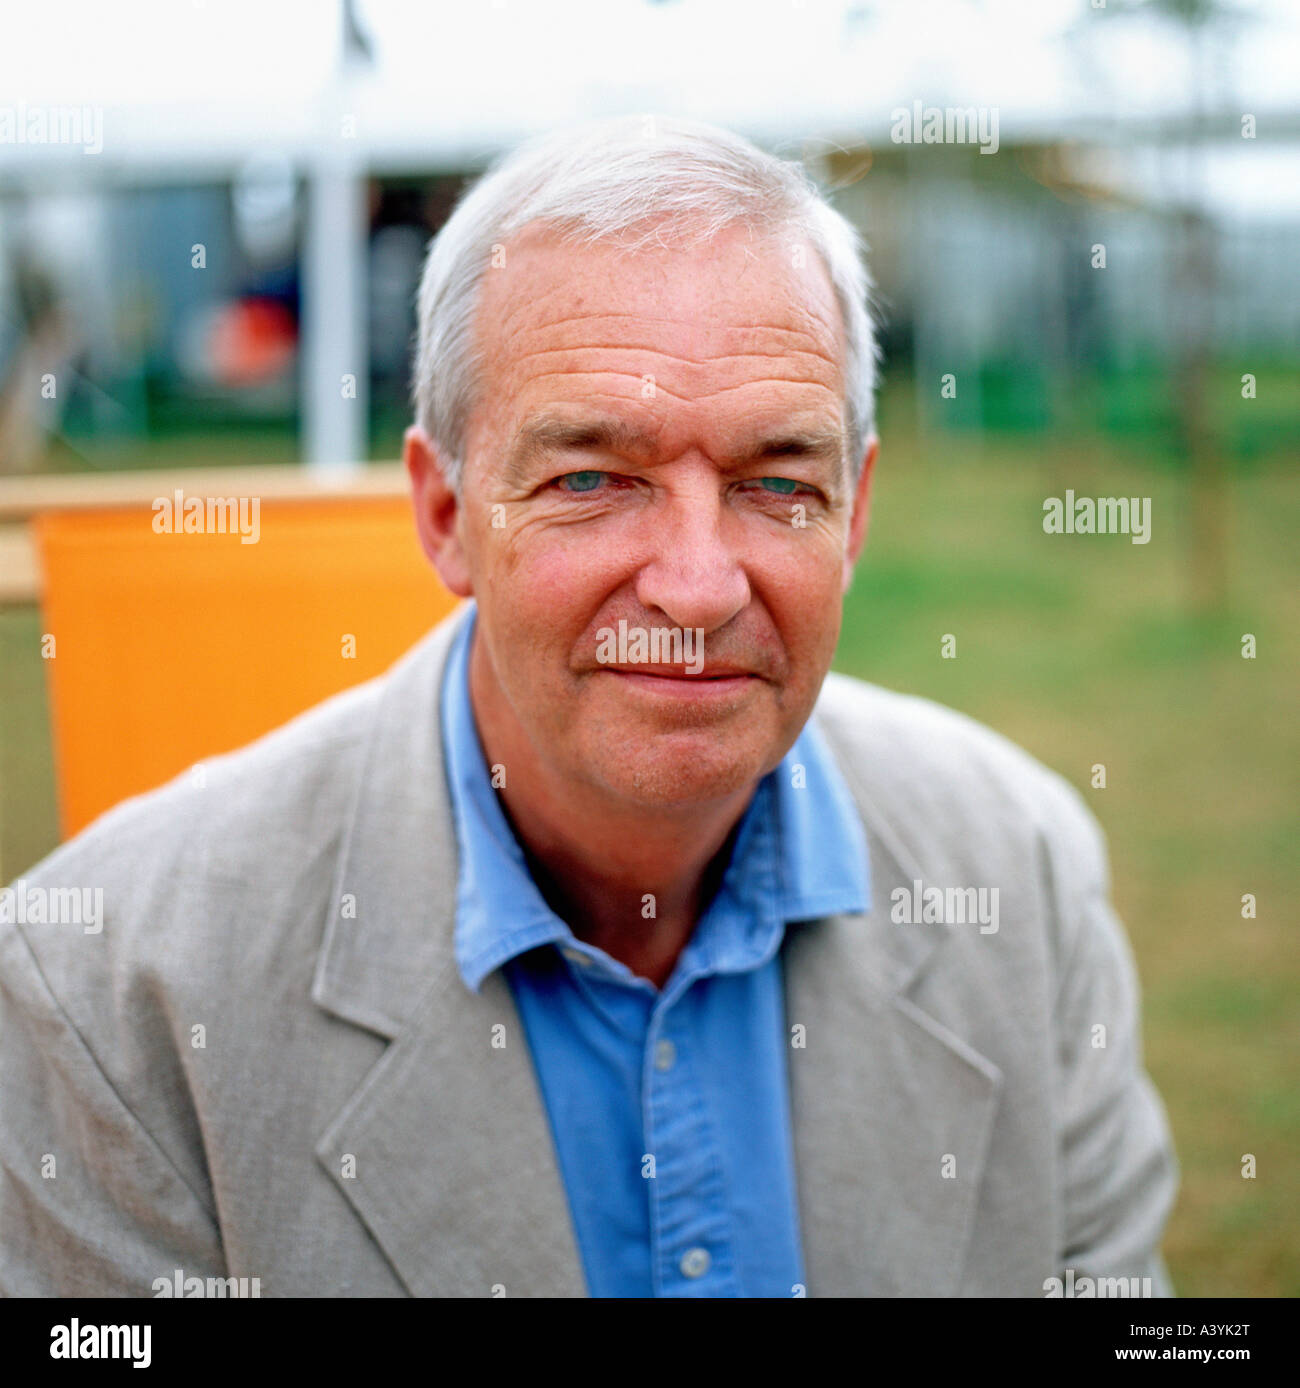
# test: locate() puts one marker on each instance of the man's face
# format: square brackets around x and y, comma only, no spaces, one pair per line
[660,440]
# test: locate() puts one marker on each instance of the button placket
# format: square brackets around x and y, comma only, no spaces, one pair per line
[689,1218]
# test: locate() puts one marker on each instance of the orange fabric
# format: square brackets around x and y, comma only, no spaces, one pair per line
[169,648]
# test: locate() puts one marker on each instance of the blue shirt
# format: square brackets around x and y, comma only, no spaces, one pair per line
[669,1109]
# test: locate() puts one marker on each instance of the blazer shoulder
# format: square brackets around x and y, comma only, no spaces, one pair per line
[191,883]
[933,770]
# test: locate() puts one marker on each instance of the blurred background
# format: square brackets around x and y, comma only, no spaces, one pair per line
[213,214]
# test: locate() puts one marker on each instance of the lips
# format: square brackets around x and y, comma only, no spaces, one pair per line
[712,688]
[675,672]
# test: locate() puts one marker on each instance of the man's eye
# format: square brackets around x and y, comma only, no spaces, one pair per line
[784,486]
[580,481]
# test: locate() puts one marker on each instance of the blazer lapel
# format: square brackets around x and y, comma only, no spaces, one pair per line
[454,1173]
[892,1113]
[452,1165]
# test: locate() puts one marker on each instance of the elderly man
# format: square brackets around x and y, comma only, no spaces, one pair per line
[607,945]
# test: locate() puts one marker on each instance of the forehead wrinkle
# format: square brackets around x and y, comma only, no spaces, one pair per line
[814,348]
[805,321]
[550,272]
[817,318]
[643,355]
[810,330]
[800,344]
[663,390]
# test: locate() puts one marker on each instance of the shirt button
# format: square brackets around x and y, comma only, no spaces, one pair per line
[695,1262]
[665,1055]
[576,956]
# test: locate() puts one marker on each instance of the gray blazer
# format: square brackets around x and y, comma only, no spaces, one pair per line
[266,1064]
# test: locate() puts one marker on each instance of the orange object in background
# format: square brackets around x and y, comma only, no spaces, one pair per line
[173,647]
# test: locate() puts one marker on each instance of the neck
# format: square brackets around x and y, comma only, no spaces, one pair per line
[629,880]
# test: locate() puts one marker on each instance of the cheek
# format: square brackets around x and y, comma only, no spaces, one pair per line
[549,573]
[805,567]
[542,587]
[801,586]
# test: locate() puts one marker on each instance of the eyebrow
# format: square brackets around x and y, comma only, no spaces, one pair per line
[548,433]
[799,443]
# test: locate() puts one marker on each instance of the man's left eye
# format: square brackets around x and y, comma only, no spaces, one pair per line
[783,486]
[580,481]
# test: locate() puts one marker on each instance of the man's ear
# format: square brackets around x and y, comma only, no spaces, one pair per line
[437,511]
[861,509]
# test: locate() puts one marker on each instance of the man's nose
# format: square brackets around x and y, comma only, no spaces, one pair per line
[694,576]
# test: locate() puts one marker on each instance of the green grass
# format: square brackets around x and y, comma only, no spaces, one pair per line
[28,815]
[1081,649]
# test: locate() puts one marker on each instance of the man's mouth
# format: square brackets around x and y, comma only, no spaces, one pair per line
[714,681]
[683,672]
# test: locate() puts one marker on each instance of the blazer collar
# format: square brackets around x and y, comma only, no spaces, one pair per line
[455,1173]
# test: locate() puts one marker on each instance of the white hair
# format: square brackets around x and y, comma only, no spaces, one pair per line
[602,181]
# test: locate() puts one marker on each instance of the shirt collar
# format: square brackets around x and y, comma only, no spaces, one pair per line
[800,854]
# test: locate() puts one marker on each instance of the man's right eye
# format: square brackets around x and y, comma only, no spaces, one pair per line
[580,481]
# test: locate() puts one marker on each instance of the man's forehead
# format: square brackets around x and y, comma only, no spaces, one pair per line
[733,282]
[725,345]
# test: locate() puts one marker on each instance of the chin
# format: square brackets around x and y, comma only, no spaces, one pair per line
[683,776]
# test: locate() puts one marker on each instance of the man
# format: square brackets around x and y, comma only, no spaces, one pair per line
[606,945]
